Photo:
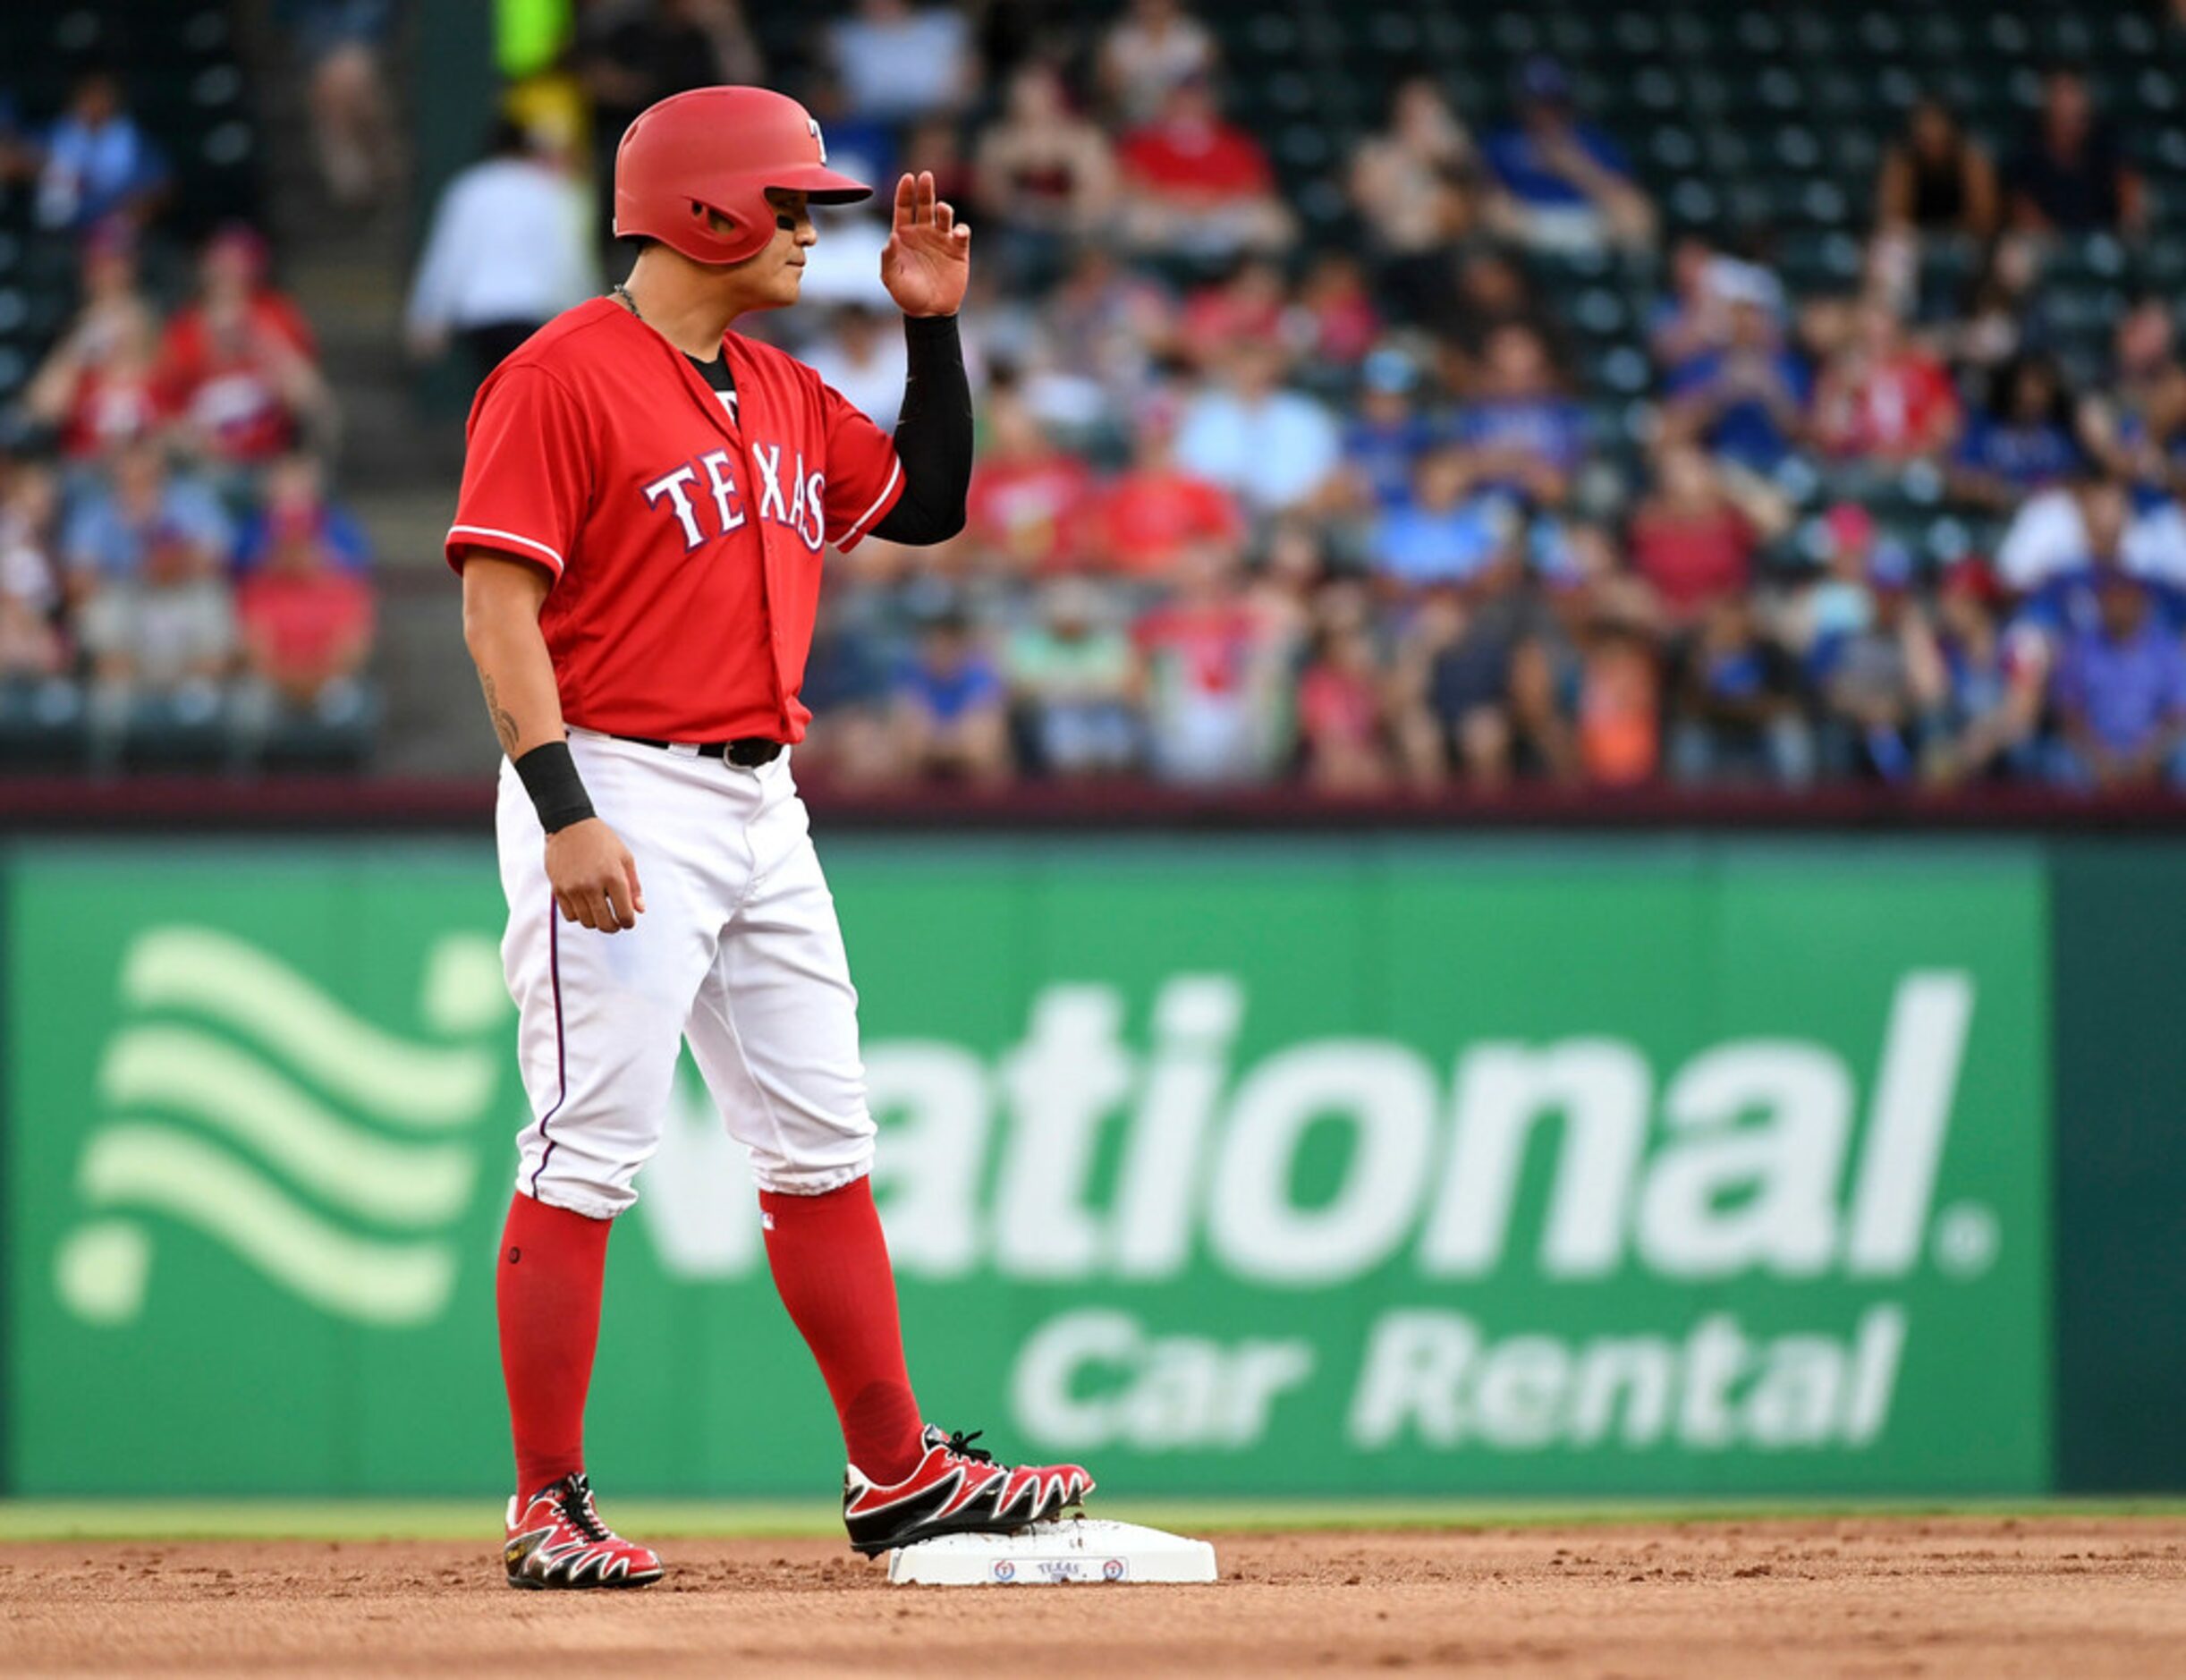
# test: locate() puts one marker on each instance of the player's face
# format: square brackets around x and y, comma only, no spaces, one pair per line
[772,278]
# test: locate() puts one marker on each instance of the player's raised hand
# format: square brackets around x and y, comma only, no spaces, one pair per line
[594,878]
[927,263]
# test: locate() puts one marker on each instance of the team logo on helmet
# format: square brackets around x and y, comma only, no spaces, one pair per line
[818,139]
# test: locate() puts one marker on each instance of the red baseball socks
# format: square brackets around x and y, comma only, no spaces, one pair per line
[830,1263]
[548,1289]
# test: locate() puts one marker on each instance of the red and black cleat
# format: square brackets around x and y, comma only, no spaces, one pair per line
[957,1488]
[558,1540]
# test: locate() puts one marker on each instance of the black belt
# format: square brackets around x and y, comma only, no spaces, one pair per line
[749,751]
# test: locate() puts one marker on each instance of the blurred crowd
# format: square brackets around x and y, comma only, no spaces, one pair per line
[177,585]
[1253,505]
[1264,493]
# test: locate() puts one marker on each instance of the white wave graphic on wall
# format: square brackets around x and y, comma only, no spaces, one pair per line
[234,983]
[236,1142]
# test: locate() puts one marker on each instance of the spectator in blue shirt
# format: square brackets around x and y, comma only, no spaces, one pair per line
[1441,532]
[1991,705]
[951,709]
[119,525]
[1571,183]
[1692,317]
[1520,434]
[98,163]
[2066,602]
[2120,693]
[2024,440]
[294,504]
[1736,714]
[1744,401]
[1386,434]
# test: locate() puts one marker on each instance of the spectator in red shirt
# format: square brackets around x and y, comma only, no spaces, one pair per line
[237,365]
[1340,715]
[306,617]
[98,400]
[1694,538]
[1337,311]
[96,387]
[1155,513]
[1029,500]
[1250,304]
[1199,185]
[1884,398]
[1215,675]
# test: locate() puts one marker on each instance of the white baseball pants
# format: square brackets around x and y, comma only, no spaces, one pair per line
[738,952]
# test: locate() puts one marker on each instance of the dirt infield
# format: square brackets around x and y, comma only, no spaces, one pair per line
[1856,1596]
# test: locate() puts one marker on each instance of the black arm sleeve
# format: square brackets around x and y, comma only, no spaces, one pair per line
[933,434]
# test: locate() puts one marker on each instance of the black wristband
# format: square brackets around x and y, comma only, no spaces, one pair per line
[549,776]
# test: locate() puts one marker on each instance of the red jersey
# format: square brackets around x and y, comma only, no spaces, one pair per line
[1216,318]
[1693,559]
[1337,708]
[1902,406]
[1031,510]
[683,536]
[188,337]
[301,622]
[1215,160]
[228,381]
[1151,514]
[1212,642]
[106,408]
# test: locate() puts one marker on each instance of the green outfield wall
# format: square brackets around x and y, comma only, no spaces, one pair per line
[1680,1168]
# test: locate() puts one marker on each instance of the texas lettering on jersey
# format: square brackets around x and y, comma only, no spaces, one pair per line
[682,533]
[712,479]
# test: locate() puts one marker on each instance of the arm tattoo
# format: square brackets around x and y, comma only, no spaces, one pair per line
[504,725]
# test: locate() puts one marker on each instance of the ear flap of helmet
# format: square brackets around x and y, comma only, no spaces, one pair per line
[686,225]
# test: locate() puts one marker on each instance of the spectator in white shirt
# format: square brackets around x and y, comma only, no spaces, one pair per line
[30,646]
[1154,46]
[844,266]
[898,63]
[508,251]
[863,357]
[1275,448]
[2050,535]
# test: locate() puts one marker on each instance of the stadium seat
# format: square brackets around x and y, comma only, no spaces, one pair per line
[42,725]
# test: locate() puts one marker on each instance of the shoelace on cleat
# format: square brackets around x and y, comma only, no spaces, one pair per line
[960,1447]
[577,1510]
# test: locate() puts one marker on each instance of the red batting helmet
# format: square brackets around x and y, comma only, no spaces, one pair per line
[720,149]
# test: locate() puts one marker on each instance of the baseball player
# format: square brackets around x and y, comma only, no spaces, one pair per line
[647,498]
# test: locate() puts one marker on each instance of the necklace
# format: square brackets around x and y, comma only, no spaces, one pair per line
[713,371]
[621,294]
